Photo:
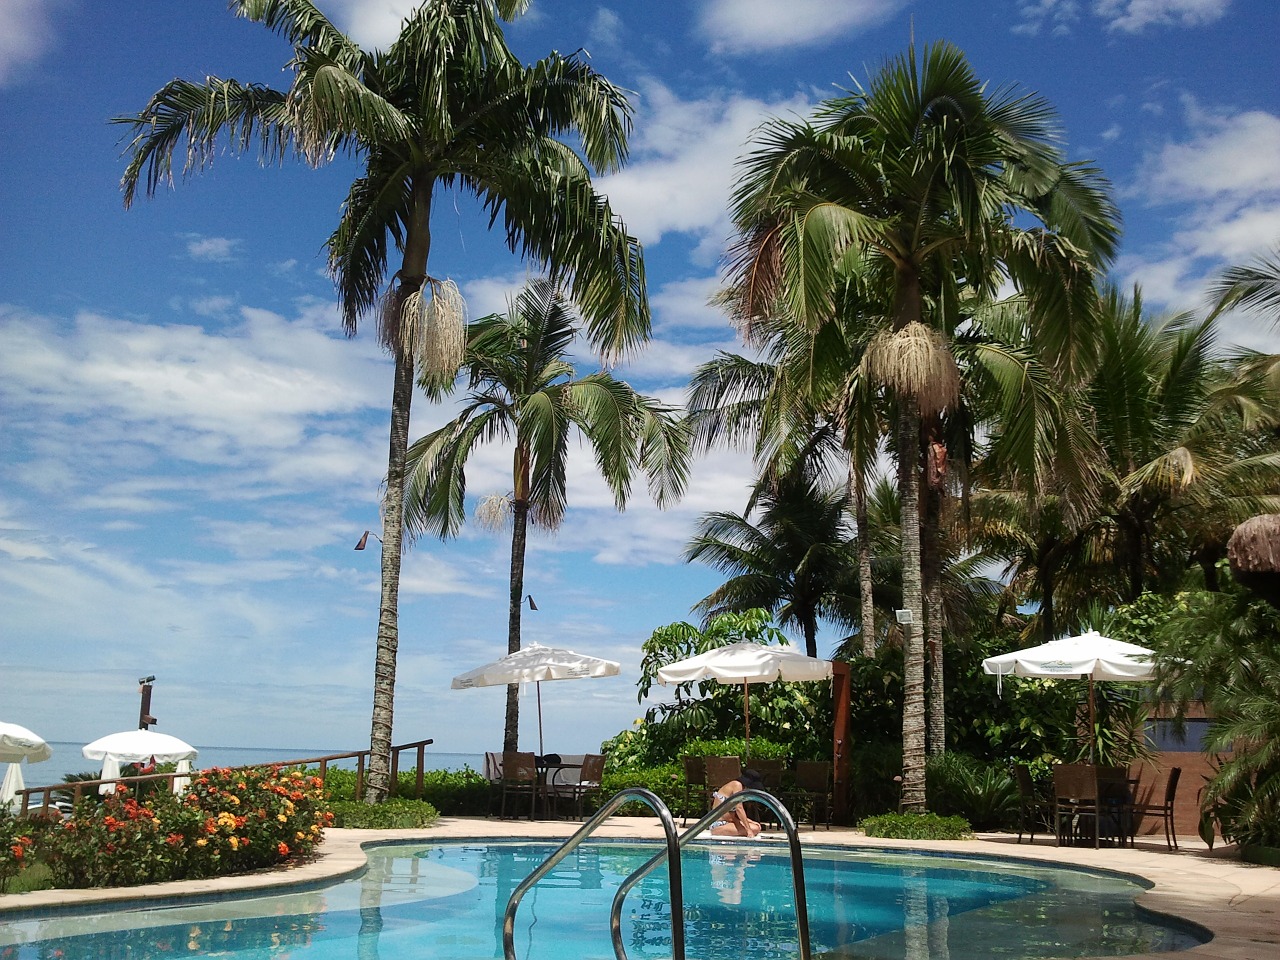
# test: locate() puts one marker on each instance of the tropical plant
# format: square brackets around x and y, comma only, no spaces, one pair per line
[795,561]
[984,794]
[918,186]
[446,105]
[1252,286]
[522,389]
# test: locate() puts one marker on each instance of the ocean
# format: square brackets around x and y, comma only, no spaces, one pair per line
[67,759]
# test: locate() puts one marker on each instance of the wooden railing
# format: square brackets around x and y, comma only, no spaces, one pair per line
[77,788]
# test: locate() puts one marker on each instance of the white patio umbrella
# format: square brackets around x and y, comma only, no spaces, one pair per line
[1089,656]
[137,746]
[746,663]
[18,744]
[533,664]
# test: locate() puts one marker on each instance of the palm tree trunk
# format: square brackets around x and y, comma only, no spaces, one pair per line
[377,784]
[913,706]
[931,570]
[858,486]
[413,272]
[519,538]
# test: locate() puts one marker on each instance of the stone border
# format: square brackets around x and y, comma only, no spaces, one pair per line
[1238,903]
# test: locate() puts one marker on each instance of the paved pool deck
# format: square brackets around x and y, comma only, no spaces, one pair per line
[1239,903]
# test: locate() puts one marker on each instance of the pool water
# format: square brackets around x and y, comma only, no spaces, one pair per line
[446,902]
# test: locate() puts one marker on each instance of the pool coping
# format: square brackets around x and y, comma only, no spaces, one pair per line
[1237,902]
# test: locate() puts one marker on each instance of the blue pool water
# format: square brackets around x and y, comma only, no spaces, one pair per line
[446,902]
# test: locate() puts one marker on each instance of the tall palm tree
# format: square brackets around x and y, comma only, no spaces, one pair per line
[794,561]
[1254,286]
[927,181]
[522,390]
[446,105]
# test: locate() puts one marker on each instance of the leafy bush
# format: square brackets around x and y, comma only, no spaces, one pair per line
[917,826]
[228,821]
[396,813]
[667,781]
[984,794]
[452,793]
[15,847]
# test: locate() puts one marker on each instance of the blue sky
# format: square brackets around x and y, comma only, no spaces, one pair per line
[189,446]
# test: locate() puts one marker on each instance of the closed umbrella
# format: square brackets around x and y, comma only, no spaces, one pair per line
[534,664]
[17,744]
[1089,656]
[746,663]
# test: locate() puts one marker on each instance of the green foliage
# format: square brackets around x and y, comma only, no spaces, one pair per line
[761,749]
[667,781]
[917,826]
[16,847]
[394,813]
[795,714]
[227,821]
[452,793]
[983,794]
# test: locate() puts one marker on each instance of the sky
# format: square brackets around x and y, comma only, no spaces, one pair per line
[190,447]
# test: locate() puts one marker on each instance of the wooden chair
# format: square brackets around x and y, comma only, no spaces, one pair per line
[812,791]
[1033,809]
[590,779]
[771,774]
[695,783]
[1163,810]
[520,779]
[493,773]
[1075,802]
[720,770]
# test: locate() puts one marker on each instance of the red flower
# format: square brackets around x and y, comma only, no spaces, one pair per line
[282,848]
[173,839]
[19,852]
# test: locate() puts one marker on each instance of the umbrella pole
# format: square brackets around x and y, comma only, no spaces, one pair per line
[541,750]
[746,713]
[1093,723]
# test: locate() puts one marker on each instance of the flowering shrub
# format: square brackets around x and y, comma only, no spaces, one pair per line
[15,847]
[227,821]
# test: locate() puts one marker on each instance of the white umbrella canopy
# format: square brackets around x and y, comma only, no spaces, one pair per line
[1089,656]
[745,663]
[18,743]
[534,664]
[138,746]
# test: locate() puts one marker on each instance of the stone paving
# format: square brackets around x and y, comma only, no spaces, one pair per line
[1238,903]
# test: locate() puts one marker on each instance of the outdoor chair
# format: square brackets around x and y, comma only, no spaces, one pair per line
[771,773]
[812,792]
[721,770]
[493,773]
[1075,802]
[590,780]
[695,783]
[1033,809]
[520,779]
[1163,810]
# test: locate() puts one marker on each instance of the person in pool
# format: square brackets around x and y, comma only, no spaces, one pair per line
[736,823]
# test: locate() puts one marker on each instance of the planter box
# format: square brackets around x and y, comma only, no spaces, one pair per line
[1267,856]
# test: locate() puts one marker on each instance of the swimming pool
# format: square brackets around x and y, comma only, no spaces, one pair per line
[445,902]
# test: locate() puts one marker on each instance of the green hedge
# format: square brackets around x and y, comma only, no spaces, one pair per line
[396,813]
[917,826]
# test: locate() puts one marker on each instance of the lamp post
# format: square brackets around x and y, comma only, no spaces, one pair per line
[145,719]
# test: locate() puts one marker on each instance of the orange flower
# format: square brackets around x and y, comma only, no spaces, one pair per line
[282,848]
[19,852]
[173,839]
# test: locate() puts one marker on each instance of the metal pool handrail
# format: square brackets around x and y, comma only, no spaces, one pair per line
[737,799]
[673,869]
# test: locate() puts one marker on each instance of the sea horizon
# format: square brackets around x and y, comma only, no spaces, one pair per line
[67,760]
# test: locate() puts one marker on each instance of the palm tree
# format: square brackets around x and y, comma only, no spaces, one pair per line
[794,562]
[1253,286]
[522,390]
[447,105]
[922,182]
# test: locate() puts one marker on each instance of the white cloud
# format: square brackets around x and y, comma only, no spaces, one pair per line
[26,34]
[747,26]
[1229,155]
[606,29]
[683,158]
[1034,14]
[211,249]
[1132,16]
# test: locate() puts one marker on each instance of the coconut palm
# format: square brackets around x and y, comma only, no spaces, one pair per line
[523,390]
[794,561]
[1253,286]
[926,180]
[446,105]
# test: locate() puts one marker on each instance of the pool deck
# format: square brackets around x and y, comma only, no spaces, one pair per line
[1238,902]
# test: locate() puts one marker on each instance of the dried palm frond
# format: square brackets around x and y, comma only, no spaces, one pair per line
[430,323]
[494,512]
[914,361]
